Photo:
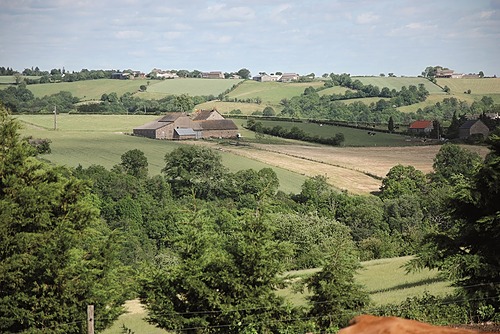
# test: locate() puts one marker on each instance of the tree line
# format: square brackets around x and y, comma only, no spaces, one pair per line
[205,248]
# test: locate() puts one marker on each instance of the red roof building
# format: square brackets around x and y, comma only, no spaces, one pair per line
[419,127]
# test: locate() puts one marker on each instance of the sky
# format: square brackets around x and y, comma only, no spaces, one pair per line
[360,37]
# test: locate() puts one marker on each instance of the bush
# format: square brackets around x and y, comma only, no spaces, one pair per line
[429,308]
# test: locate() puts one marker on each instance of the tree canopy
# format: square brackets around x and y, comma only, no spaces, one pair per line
[55,257]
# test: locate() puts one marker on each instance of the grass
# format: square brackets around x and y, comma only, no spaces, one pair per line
[134,320]
[100,140]
[156,89]
[192,87]
[89,89]
[385,280]
[10,79]
[479,88]
[227,107]
[271,92]
[353,137]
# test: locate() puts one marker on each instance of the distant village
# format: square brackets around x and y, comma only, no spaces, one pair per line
[161,74]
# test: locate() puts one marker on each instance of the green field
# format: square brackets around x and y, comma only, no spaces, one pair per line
[479,88]
[192,87]
[101,140]
[89,89]
[384,279]
[226,107]
[353,137]
[271,92]
[334,90]
[10,79]
[157,89]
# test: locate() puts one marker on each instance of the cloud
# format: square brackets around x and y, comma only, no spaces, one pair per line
[367,18]
[223,12]
[420,26]
[486,14]
[129,34]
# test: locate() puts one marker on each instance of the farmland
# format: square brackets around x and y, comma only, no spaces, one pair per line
[271,92]
[100,139]
[156,89]
[478,87]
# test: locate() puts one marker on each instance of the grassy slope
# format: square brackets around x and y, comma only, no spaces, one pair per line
[226,107]
[353,137]
[271,92]
[479,88]
[192,87]
[93,89]
[385,280]
[99,139]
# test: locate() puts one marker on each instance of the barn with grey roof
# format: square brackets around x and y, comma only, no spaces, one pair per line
[178,126]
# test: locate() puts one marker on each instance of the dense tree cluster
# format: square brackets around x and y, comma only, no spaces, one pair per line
[56,257]
[21,99]
[311,105]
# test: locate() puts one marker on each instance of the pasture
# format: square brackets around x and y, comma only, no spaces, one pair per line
[89,89]
[227,107]
[478,87]
[384,279]
[101,140]
[271,92]
[156,89]
[10,79]
[353,137]
[190,86]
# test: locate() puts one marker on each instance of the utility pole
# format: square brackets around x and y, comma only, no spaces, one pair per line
[55,117]
[90,319]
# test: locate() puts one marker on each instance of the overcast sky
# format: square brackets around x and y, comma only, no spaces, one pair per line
[361,37]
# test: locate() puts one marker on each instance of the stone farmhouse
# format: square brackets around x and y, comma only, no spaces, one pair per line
[179,126]
[473,127]
[213,75]
[285,77]
[421,127]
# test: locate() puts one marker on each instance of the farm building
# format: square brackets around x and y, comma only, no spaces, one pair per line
[213,75]
[289,77]
[473,127]
[266,78]
[178,126]
[421,127]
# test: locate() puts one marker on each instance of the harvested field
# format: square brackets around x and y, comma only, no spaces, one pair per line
[358,170]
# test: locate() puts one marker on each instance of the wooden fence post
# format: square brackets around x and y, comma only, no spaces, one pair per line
[90,319]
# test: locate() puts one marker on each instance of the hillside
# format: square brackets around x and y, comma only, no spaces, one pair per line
[156,89]
[270,92]
[478,87]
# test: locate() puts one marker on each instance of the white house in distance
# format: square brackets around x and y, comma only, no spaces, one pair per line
[285,77]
